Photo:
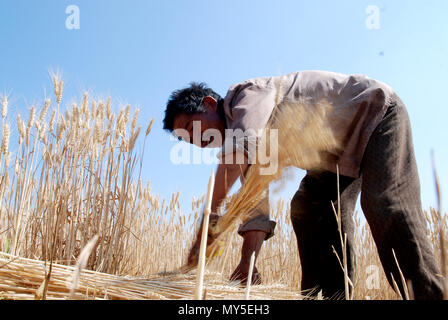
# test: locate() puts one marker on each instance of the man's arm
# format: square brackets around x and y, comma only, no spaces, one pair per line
[226,175]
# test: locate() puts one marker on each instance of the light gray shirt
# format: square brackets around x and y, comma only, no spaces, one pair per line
[359,103]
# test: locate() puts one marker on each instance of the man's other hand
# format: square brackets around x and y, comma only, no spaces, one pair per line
[193,256]
[253,241]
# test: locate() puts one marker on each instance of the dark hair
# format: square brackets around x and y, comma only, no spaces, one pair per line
[187,100]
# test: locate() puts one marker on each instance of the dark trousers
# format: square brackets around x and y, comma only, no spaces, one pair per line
[390,200]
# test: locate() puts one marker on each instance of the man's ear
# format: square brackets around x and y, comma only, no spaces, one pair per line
[210,103]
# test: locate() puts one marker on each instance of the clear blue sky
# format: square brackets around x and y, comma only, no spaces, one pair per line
[139,51]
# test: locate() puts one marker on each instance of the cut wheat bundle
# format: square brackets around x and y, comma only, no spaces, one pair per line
[20,278]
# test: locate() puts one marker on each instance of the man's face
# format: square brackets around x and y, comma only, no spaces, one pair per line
[202,129]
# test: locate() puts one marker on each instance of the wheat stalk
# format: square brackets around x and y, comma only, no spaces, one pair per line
[204,235]
[249,276]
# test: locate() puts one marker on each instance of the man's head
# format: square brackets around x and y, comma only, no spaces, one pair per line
[195,103]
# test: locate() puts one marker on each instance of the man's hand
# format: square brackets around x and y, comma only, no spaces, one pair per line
[253,241]
[241,273]
[193,256]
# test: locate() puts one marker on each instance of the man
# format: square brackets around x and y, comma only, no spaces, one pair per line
[376,160]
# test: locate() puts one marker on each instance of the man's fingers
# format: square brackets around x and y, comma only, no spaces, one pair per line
[193,256]
[241,276]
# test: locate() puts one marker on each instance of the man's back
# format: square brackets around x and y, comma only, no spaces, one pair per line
[358,105]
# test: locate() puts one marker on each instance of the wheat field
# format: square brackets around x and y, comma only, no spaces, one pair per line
[77,221]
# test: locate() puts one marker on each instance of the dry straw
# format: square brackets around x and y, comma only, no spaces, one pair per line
[20,279]
[249,276]
[441,229]
[81,264]
[203,247]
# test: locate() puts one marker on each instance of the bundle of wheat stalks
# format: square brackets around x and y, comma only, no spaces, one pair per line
[21,278]
[296,124]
